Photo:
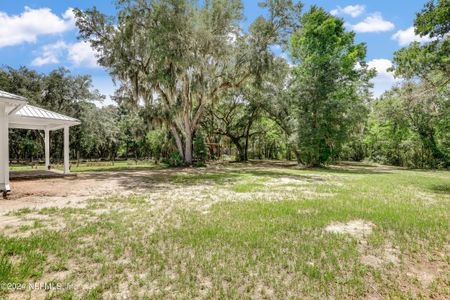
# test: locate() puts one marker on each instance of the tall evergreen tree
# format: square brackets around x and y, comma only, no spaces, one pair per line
[330,80]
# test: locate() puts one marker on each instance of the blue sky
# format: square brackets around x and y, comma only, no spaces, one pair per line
[40,34]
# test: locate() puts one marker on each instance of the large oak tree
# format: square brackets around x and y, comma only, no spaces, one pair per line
[175,57]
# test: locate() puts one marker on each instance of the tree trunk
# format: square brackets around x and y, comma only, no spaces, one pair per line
[178,141]
[246,146]
[297,156]
[188,131]
[429,142]
[247,133]
[240,148]
[188,148]
[241,154]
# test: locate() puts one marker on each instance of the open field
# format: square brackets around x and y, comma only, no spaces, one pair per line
[257,230]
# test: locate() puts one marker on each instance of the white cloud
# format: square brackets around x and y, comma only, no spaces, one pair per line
[70,16]
[79,54]
[26,27]
[406,37]
[352,10]
[373,23]
[50,54]
[384,79]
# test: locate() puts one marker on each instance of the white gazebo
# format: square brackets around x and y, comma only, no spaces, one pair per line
[16,113]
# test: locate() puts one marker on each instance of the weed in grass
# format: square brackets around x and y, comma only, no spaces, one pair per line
[20,212]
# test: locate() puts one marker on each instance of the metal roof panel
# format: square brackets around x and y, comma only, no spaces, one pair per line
[40,113]
[7,95]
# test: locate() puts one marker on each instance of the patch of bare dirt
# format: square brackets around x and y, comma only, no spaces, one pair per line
[389,257]
[10,221]
[377,259]
[74,191]
[355,228]
[360,230]
[425,271]
[284,181]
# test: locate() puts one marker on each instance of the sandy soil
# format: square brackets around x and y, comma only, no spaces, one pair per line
[73,191]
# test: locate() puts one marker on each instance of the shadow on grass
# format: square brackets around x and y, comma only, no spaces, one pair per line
[120,169]
[334,170]
[441,189]
[345,167]
[155,179]
[276,174]
[356,164]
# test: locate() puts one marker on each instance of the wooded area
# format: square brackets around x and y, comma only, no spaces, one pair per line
[194,86]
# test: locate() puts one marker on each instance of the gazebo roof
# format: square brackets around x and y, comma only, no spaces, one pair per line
[16,113]
[10,96]
[31,111]
[23,115]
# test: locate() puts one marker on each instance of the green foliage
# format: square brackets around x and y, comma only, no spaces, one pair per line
[175,160]
[157,143]
[422,108]
[429,62]
[234,117]
[105,132]
[434,19]
[328,79]
[271,142]
[408,126]
[101,132]
[200,150]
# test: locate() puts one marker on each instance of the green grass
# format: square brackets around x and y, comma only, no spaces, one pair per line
[26,167]
[262,237]
[96,166]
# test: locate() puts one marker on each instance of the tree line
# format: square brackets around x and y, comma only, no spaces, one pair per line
[193,85]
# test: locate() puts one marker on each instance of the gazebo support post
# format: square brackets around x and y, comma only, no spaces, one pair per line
[47,148]
[66,150]
[4,151]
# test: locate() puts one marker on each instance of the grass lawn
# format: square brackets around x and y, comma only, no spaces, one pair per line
[243,231]
[96,166]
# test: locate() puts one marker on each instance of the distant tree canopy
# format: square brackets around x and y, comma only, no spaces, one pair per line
[194,86]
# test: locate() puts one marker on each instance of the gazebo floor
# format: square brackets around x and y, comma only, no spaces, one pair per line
[36,174]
